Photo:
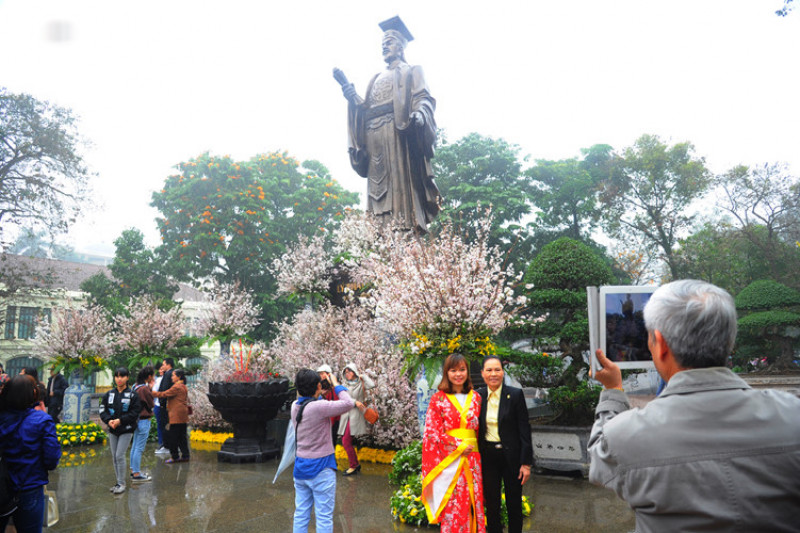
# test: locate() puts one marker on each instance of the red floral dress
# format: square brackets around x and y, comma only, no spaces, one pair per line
[452,486]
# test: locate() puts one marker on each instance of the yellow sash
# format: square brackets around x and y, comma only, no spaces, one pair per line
[468,437]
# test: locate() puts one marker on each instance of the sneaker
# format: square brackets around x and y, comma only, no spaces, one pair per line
[141,478]
[119,489]
[161,451]
[112,489]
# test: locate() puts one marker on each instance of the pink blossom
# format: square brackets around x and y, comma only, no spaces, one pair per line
[148,330]
[75,333]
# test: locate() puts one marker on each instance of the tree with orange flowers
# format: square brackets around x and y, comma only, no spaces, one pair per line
[227,220]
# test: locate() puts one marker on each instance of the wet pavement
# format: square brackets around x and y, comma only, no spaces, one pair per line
[205,495]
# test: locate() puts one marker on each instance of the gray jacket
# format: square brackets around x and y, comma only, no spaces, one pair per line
[709,454]
[357,389]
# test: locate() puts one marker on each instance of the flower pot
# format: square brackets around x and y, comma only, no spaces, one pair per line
[424,395]
[77,400]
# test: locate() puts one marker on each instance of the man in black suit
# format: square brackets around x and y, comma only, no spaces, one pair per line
[504,442]
[56,386]
[166,382]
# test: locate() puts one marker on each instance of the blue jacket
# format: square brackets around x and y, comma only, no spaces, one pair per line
[29,444]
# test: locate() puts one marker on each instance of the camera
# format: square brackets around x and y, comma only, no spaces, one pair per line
[616,325]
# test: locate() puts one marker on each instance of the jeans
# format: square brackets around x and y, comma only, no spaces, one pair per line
[159,426]
[119,445]
[139,440]
[29,515]
[320,493]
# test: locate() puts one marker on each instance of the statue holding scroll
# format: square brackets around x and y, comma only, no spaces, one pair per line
[391,136]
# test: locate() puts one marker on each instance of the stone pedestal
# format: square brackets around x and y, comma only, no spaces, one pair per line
[562,448]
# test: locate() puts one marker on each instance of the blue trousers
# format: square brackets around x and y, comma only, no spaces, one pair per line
[140,435]
[319,493]
[29,515]
[159,425]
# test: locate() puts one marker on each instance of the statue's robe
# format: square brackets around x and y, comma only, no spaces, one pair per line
[393,153]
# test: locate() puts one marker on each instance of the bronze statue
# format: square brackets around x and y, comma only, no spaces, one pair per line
[391,136]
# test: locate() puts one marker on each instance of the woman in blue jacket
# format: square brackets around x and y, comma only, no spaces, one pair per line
[30,448]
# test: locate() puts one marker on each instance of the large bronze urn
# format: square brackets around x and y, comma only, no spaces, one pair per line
[248,406]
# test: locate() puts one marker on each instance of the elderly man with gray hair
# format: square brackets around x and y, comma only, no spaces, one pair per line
[710,453]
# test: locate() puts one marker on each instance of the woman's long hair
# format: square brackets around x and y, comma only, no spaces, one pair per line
[452,361]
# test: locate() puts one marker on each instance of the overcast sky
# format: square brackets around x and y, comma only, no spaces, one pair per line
[158,82]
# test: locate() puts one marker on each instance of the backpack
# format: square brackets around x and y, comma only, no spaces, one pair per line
[9,498]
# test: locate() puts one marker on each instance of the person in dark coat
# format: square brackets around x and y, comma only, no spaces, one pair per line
[120,410]
[504,441]
[162,418]
[29,447]
[56,387]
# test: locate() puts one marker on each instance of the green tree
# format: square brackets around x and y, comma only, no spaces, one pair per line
[771,311]
[565,192]
[764,202]
[719,254]
[725,256]
[476,172]
[136,271]
[228,220]
[559,275]
[648,192]
[43,177]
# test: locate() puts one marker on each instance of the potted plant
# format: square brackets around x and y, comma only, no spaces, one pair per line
[78,343]
[248,393]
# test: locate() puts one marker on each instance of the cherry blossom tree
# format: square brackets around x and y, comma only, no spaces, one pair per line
[233,313]
[147,331]
[75,339]
[435,295]
[339,336]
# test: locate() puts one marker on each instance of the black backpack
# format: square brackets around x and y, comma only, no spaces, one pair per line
[8,496]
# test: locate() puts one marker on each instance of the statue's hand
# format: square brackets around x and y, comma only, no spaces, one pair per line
[417,118]
[349,92]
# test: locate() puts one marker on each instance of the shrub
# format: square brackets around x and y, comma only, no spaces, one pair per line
[407,463]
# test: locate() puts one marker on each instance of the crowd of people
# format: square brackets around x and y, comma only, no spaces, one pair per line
[29,446]
[708,454]
[127,412]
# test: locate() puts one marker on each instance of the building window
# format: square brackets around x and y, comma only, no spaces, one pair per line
[11,321]
[27,322]
[18,363]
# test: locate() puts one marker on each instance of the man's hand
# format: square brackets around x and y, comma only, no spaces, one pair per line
[113,423]
[417,118]
[524,473]
[609,375]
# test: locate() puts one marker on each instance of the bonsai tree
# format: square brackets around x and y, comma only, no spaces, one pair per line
[770,310]
[559,275]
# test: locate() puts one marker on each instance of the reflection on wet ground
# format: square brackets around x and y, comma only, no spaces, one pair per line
[204,495]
